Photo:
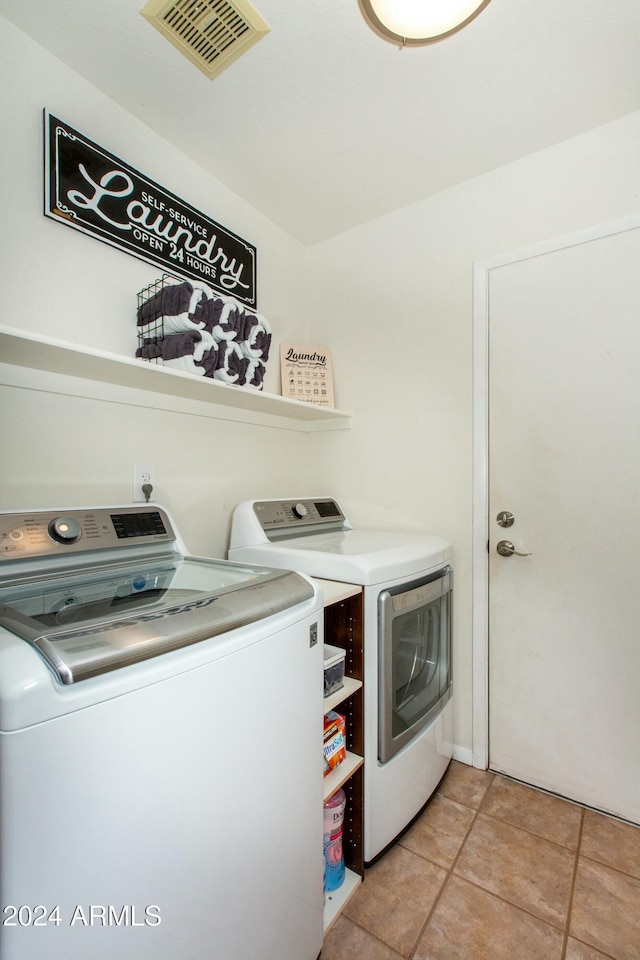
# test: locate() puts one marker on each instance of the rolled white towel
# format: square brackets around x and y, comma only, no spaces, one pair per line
[203,366]
[232,365]
[168,348]
[186,364]
[170,299]
[204,345]
[224,318]
[178,307]
[194,351]
[256,337]
[255,375]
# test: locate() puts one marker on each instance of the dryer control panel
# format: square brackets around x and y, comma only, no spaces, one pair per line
[280,518]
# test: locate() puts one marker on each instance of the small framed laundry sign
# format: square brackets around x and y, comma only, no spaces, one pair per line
[306,374]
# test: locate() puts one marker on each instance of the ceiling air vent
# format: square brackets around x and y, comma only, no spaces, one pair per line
[210,33]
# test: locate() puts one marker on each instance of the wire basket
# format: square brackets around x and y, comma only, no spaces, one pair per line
[189,327]
[150,317]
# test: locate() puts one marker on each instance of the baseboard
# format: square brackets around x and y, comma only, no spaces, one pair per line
[463,754]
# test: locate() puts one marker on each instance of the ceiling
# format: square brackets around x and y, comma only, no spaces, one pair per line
[322,125]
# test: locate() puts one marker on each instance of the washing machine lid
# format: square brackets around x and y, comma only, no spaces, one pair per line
[354,556]
[105,619]
[92,598]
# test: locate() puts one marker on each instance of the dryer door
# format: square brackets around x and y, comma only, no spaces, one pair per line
[415,659]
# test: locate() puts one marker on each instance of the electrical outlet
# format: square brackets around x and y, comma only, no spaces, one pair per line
[144,475]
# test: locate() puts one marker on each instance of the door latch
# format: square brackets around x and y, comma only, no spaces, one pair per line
[505,519]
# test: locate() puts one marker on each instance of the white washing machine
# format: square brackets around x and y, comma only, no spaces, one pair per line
[155,799]
[407,583]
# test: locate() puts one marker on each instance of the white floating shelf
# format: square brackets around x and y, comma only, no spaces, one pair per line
[90,367]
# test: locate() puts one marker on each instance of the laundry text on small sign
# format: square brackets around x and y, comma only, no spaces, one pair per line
[93,191]
[306,374]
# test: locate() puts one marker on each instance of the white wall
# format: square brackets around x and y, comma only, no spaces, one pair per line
[56,281]
[393,299]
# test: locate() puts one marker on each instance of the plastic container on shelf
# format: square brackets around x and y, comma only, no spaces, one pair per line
[334,658]
[332,840]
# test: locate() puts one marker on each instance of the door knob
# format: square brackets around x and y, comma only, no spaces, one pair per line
[506,549]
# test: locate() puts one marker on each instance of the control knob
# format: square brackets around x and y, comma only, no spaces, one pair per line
[65,530]
[299,510]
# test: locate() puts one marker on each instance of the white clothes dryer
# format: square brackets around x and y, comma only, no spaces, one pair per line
[407,586]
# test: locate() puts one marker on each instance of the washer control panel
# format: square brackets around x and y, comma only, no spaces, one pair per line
[47,533]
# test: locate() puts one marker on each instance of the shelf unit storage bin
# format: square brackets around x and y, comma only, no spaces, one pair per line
[334,658]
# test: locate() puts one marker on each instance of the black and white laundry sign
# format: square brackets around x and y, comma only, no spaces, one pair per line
[89,189]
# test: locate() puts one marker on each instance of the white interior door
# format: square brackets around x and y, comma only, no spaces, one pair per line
[564,459]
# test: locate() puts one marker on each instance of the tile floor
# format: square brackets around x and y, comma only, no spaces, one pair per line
[493,870]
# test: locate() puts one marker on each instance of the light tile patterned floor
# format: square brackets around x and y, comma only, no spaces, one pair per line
[493,870]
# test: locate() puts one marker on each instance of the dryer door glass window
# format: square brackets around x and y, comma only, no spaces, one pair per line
[415,669]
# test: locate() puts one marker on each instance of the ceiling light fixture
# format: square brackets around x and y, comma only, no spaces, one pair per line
[414,23]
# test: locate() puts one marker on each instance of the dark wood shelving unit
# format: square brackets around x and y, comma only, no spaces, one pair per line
[343,627]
